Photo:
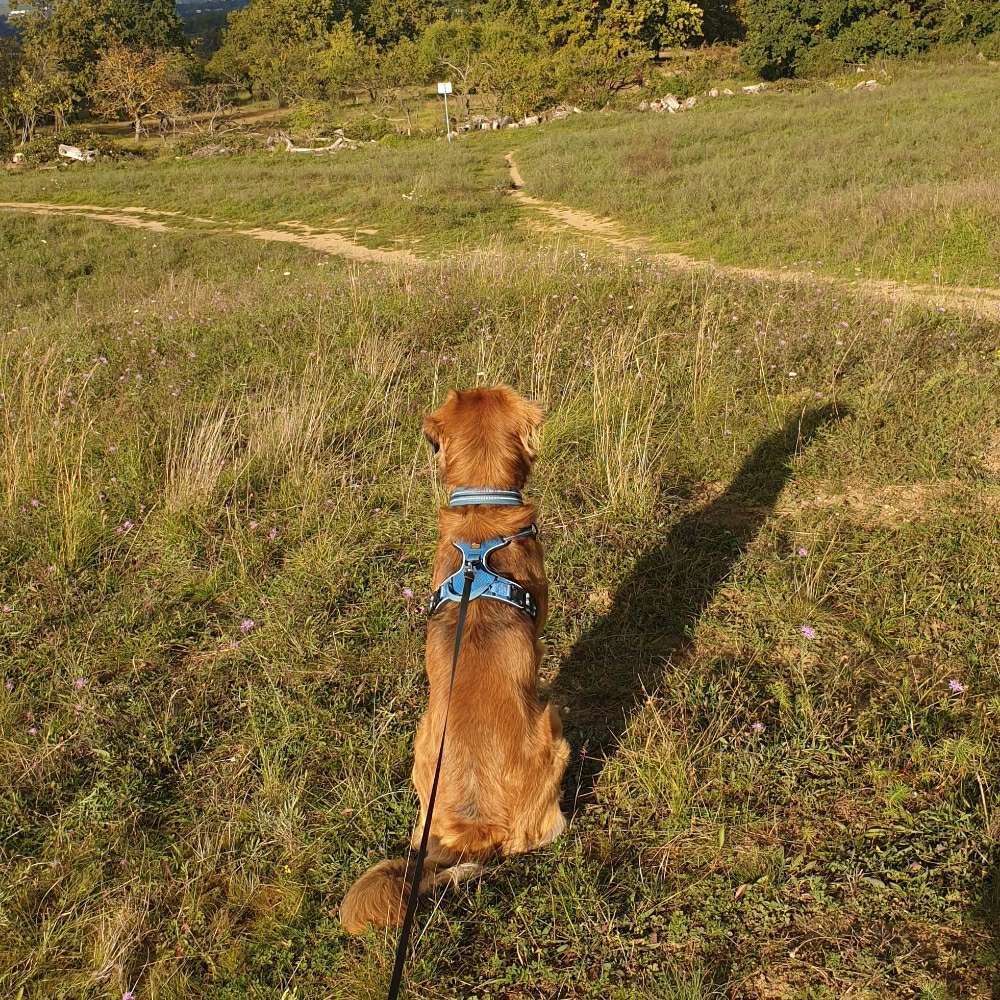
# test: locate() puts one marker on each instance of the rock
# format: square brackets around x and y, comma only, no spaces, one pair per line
[689,103]
[75,153]
[644,105]
[756,88]
[867,85]
[671,104]
[530,120]
[18,158]
[728,93]
[714,92]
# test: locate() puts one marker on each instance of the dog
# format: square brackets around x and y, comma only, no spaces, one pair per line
[505,755]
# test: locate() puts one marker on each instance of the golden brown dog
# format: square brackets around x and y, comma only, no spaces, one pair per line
[505,754]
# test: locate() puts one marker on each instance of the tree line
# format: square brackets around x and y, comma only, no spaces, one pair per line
[131,59]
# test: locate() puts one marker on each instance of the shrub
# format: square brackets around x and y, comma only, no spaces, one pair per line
[311,118]
[989,47]
[589,73]
[45,148]
[368,128]
[785,37]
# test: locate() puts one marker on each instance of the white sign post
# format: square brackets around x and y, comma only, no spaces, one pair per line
[444,89]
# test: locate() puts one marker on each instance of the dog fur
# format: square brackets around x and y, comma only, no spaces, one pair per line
[504,754]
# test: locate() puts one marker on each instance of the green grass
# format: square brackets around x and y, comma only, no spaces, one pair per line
[900,183]
[193,438]
[423,192]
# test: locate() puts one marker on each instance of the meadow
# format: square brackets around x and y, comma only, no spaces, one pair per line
[771,516]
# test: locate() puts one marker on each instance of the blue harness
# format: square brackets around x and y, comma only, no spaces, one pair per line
[475,559]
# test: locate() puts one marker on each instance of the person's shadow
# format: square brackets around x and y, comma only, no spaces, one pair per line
[620,659]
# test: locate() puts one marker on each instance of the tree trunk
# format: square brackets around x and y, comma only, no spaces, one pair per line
[138,128]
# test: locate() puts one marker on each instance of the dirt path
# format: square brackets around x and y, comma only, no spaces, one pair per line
[981,301]
[338,242]
[327,241]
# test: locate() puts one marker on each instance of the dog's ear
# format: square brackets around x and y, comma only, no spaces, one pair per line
[432,431]
[434,425]
[529,422]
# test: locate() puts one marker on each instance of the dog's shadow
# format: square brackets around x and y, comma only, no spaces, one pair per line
[621,658]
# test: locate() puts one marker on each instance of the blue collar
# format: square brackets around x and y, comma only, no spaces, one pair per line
[471,496]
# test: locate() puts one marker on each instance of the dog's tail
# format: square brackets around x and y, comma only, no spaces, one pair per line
[378,898]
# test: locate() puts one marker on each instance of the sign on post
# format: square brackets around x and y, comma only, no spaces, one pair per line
[444,88]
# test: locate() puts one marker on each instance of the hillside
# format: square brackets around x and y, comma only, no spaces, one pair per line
[770,506]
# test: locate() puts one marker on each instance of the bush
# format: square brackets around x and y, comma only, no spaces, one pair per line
[789,37]
[589,73]
[368,128]
[6,145]
[45,148]
[311,118]
[989,47]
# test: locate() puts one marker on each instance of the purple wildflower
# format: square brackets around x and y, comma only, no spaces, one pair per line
[33,730]
[757,727]
[808,631]
[128,995]
[80,683]
[801,552]
[955,686]
[124,528]
[247,624]
[408,593]
[273,534]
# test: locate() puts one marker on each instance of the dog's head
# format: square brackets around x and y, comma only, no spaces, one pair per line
[484,437]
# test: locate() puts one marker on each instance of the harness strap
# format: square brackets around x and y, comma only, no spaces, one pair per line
[485,582]
[418,867]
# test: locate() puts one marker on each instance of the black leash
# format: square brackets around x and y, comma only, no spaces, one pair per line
[418,867]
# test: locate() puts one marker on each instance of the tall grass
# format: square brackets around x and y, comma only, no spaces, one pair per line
[215,661]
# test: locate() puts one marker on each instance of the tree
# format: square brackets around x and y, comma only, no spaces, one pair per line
[387,21]
[275,46]
[138,85]
[151,24]
[37,85]
[514,67]
[589,72]
[450,48]
[350,61]
[652,24]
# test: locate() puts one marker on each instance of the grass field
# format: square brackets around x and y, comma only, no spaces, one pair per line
[771,517]
[900,183]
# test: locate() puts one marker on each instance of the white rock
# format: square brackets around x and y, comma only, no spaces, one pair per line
[671,103]
[867,85]
[689,103]
[714,92]
[756,88]
[75,153]
[728,93]
[530,120]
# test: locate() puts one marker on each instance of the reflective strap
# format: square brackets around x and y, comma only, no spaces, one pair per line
[471,496]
